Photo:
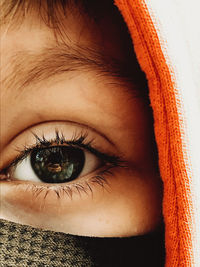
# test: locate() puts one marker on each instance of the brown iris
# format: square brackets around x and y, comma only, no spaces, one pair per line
[57,164]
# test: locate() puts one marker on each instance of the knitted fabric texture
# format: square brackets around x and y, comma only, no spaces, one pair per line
[165,37]
[27,246]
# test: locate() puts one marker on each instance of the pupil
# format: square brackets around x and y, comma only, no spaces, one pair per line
[58,164]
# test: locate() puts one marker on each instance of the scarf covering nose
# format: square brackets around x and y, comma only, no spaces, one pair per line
[23,245]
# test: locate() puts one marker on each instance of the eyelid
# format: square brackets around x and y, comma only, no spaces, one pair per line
[76,141]
[84,186]
[79,124]
[110,162]
[41,198]
[67,128]
[97,177]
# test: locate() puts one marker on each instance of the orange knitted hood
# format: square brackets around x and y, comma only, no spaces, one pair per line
[166,39]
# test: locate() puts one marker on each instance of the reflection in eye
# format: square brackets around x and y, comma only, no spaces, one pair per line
[60,161]
[57,164]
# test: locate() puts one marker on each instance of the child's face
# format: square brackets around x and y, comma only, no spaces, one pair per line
[49,89]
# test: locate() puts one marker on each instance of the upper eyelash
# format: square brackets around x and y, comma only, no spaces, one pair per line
[77,140]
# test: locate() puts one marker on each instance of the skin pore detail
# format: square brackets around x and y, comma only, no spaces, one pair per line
[72,87]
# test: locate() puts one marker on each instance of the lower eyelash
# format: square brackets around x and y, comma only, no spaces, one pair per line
[67,190]
[60,191]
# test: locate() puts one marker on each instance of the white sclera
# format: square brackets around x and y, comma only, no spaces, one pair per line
[24,170]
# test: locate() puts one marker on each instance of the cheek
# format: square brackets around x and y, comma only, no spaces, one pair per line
[129,205]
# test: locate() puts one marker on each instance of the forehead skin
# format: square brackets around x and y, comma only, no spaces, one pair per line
[88,96]
[107,38]
[27,44]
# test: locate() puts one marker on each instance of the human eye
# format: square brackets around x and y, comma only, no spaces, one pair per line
[64,164]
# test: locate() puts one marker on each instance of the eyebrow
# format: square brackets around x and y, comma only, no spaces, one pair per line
[29,69]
